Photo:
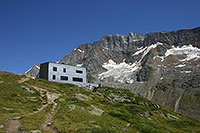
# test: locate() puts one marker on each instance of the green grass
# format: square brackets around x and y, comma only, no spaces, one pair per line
[117,117]
[34,122]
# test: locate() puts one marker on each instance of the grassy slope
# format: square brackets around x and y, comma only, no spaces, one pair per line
[117,117]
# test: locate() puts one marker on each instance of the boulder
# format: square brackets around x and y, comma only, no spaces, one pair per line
[109,98]
[119,100]
[1,126]
[82,108]
[35,131]
[62,100]
[171,116]
[155,105]
[96,111]
[128,124]
[99,94]
[133,99]
[82,97]
[160,113]
[1,82]
[146,114]
[72,107]
[27,89]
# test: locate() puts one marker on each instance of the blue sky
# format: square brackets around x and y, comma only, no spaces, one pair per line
[36,31]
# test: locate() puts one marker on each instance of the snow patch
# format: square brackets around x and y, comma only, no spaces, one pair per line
[146,50]
[139,51]
[123,72]
[186,71]
[181,65]
[150,48]
[120,72]
[161,57]
[79,65]
[80,50]
[188,50]
[139,48]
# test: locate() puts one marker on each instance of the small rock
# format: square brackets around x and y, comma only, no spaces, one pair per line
[133,99]
[97,126]
[9,109]
[125,96]
[119,92]
[124,129]
[82,97]
[118,100]
[96,111]
[127,101]
[160,112]
[1,82]
[92,121]
[155,105]
[128,124]
[62,100]
[110,91]
[146,114]
[104,89]
[171,116]
[113,127]
[109,98]
[27,89]
[113,95]
[141,103]
[35,131]
[55,96]
[140,114]
[100,94]
[1,126]
[82,108]
[49,124]
[72,107]
[33,99]
[145,103]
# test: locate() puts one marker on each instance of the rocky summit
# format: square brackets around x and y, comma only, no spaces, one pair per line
[163,66]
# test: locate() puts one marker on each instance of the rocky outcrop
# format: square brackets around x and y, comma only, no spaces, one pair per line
[82,97]
[96,111]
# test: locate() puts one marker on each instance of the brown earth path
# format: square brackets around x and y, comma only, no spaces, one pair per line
[14,123]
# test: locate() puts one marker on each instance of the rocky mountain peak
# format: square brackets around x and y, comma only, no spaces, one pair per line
[133,37]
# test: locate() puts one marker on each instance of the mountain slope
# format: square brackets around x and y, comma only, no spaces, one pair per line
[39,105]
[163,67]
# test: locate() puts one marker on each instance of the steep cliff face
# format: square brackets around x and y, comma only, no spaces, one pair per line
[163,66]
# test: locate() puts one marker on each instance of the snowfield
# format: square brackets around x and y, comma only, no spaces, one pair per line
[188,50]
[120,72]
[123,72]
